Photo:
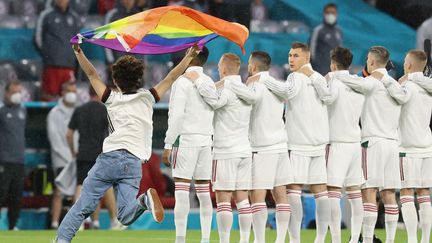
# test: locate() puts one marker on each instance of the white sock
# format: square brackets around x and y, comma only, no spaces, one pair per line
[409,215]
[283,212]
[322,214]
[391,218]
[54,225]
[294,198]
[369,220]
[425,217]
[181,210]
[259,219]
[335,216]
[245,220]
[206,210]
[224,218]
[356,202]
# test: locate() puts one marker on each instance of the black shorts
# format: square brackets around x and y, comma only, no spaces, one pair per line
[83,167]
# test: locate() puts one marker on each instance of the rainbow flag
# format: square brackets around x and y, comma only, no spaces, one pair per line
[163,30]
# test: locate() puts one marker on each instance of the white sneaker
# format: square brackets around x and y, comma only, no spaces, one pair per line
[151,201]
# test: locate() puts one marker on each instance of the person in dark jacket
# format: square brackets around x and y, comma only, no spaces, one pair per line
[12,145]
[324,38]
[54,28]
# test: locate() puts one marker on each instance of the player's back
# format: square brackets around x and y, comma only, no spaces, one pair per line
[415,118]
[266,124]
[344,113]
[231,125]
[380,115]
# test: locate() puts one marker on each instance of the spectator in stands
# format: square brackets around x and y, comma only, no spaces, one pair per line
[232,10]
[143,5]
[324,38]
[12,145]
[424,32]
[54,29]
[81,7]
[57,125]
[124,9]
[91,122]
[259,10]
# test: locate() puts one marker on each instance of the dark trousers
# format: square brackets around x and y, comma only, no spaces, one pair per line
[11,188]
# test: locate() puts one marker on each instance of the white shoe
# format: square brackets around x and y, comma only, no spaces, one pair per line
[151,201]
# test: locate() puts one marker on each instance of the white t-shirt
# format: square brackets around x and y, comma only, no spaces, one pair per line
[130,121]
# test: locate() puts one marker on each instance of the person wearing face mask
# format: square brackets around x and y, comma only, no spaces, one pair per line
[12,145]
[57,125]
[324,38]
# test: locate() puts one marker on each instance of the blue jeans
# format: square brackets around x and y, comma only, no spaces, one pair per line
[119,169]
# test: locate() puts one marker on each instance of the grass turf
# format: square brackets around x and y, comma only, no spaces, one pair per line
[135,236]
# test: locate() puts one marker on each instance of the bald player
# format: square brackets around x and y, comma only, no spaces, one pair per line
[232,154]
[380,122]
[307,94]
[416,148]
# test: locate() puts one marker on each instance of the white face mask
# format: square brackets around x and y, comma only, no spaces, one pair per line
[70,97]
[330,19]
[16,98]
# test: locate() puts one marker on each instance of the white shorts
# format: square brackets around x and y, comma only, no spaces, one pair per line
[344,165]
[309,170]
[415,172]
[270,170]
[380,165]
[191,162]
[232,174]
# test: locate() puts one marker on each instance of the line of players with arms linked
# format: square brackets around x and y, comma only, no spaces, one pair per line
[233,134]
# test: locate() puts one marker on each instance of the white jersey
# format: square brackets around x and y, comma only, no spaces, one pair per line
[130,121]
[266,131]
[382,107]
[231,118]
[306,114]
[189,117]
[415,133]
[345,111]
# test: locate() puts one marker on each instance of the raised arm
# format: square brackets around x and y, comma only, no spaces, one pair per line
[88,68]
[287,90]
[166,83]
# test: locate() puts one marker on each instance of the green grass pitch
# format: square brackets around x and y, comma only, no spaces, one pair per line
[139,236]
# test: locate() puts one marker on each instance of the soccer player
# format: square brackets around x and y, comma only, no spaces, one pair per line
[271,166]
[189,140]
[380,122]
[416,148]
[344,168]
[307,94]
[128,145]
[232,159]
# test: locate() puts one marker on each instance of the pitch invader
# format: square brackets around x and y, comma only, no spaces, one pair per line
[232,154]
[188,140]
[344,168]
[307,94]
[416,147]
[380,121]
